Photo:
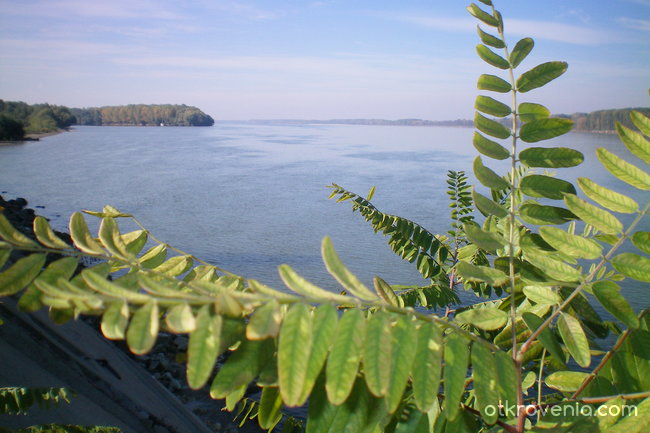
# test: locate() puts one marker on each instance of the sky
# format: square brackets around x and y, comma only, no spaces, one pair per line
[303,59]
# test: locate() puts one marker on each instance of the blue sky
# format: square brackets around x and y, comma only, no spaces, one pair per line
[313,59]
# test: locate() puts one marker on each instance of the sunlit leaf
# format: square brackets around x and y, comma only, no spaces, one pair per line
[550,157]
[484,372]
[303,287]
[115,320]
[404,347]
[111,238]
[180,319]
[482,15]
[203,348]
[269,413]
[608,294]
[13,236]
[633,266]
[540,75]
[64,268]
[623,170]
[573,245]
[488,177]
[538,185]
[265,321]
[489,148]
[635,142]
[342,274]
[491,57]
[324,328]
[521,51]
[641,240]
[574,338]
[46,235]
[529,111]
[455,371]
[490,127]
[242,366]
[493,83]
[385,292]
[612,200]
[595,216]
[542,295]
[153,257]
[487,318]
[343,361]
[507,373]
[377,353]
[641,121]
[486,240]
[554,268]
[488,105]
[489,39]
[565,381]
[175,266]
[294,348]
[143,329]
[21,273]
[81,235]
[427,365]
[481,274]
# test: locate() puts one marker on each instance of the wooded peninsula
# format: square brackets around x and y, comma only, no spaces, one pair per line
[18,119]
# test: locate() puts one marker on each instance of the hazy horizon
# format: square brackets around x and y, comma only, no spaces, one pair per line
[290,59]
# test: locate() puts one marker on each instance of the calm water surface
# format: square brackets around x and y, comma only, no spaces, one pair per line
[251,197]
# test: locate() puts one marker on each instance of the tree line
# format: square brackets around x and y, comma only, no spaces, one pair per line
[605,120]
[17,119]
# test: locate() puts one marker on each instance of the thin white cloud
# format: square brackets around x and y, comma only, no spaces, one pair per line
[122,9]
[554,31]
[634,23]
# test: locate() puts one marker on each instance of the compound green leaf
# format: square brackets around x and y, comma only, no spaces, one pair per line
[609,295]
[13,236]
[507,373]
[489,148]
[612,200]
[545,129]
[111,238]
[595,216]
[265,321]
[635,142]
[269,413]
[481,274]
[179,318]
[641,121]
[573,245]
[493,83]
[404,346]
[566,381]
[641,240]
[46,235]
[529,111]
[538,185]
[303,287]
[539,214]
[114,320]
[175,266]
[488,105]
[491,57]
[203,347]
[21,273]
[487,177]
[486,240]
[484,372]
[242,366]
[343,361]
[483,16]
[488,318]
[64,268]
[427,365]
[623,170]
[81,235]
[633,266]
[100,284]
[521,51]
[489,39]
[377,353]
[540,75]
[574,338]
[342,274]
[135,241]
[488,206]
[553,268]
[385,291]
[637,421]
[324,326]
[546,337]
[490,127]
[294,348]
[455,372]
[143,329]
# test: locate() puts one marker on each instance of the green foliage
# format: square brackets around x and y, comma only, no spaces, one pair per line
[364,359]
[10,128]
[141,115]
[35,119]
[17,400]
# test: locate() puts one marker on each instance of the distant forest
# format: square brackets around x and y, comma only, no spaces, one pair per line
[18,119]
[604,120]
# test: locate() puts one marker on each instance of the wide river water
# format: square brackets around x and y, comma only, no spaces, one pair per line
[251,197]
